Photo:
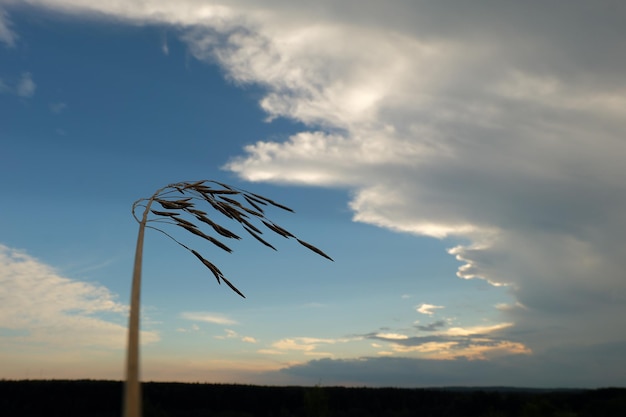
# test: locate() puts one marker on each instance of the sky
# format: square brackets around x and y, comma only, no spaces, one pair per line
[461,162]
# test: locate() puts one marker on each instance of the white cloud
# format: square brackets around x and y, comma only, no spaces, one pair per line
[505,137]
[304,345]
[471,342]
[26,86]
[7,36]
[427,308]
[269,352]
[300,343]
[476,330]
[193,328]
[442,349]
[392,336]
[207,317]
[230,334]
[164,46]
[42,307]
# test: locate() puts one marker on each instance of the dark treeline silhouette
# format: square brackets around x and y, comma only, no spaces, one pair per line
[89,398]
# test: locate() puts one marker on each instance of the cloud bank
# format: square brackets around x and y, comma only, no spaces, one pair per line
[545,370]
[497,124]
[42,308]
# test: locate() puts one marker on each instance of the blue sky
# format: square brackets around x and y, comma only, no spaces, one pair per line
[463,165]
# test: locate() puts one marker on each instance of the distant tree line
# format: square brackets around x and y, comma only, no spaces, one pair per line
[89,398]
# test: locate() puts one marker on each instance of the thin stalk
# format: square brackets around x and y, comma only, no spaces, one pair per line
[132,388]
[228,207]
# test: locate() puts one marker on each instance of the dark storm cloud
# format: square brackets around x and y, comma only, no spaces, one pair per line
[431,327]
[565,367]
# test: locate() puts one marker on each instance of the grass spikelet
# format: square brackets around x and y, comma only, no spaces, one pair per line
[194,184]
[196,212]
[218,243]
[219,208]
[170,205]
[164,213]
[252,200]
[211,239]
[183,221]
[277,229]
[217,192]
[314,249]
[184,203]
[221,184]
[253,212]
[259,238]
[219,229]
[236,214]
[253,203]
[251,226]
[230,201]
[232,287]
[272,202]
[215,270]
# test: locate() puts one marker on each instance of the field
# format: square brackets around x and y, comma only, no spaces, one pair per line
[89,398]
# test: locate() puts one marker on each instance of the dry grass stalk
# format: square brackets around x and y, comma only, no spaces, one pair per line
[231,208]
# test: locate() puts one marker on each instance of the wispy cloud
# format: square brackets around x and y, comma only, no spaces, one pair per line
[207,317]
[469,348]
[46,308]
[476,330]
[192,328]
[307,346]
[472,342]
[435,326]
[230,334]
[392,336]
[164,45]
[427,308]
[58,107]
[7,36]
[26,86]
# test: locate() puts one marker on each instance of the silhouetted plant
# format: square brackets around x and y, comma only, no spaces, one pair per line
[179,201]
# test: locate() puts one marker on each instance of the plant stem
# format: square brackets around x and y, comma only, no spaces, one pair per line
[132,389]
